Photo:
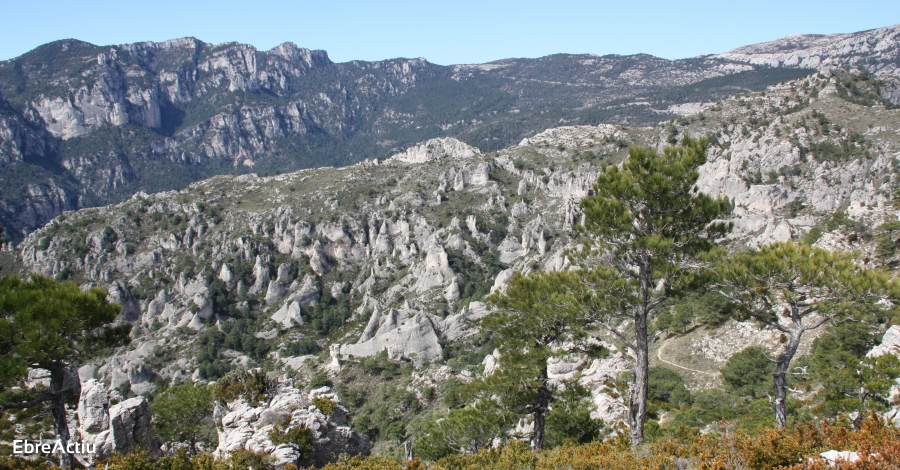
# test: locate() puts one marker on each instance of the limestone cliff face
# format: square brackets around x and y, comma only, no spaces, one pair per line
[18,139]
[106,98]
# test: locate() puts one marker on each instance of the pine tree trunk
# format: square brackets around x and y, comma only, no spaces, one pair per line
[62,386]
[640,389]
[782,363]
[539,410]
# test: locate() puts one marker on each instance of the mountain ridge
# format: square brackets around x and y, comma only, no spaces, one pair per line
[84,125]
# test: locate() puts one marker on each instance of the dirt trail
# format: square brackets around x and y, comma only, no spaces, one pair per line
[659,353]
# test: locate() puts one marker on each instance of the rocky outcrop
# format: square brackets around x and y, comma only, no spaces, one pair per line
[436,149]
[409,333]
[890,343]
[122,427]
[93,407]
[242,426]
[129,424]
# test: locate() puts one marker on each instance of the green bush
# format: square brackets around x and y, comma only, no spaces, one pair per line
[253,386]
[749,372]
[297,436]
[324,404]
[572,422]
[667,386]
[183,413]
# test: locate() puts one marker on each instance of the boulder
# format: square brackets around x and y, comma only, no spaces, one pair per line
[834,457]
[129,423]
[122,428]
[890,343]
[288,315]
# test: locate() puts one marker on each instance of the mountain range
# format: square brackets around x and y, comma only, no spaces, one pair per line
[84,125]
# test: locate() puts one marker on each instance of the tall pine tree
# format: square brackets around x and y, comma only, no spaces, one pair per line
[648,225]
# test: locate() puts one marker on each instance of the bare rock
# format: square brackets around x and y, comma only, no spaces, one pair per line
[890,343]
[288,315]
[435,149]
[129,423]
[122,428]
[93,407]
[275,292]
[308,293]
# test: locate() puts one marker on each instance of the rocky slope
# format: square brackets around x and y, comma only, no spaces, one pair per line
[875,50]
[84,125]
[319,271]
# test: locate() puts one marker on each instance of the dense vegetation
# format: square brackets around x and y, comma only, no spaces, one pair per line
[878,446]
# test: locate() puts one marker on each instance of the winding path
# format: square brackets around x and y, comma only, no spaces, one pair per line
[659,353]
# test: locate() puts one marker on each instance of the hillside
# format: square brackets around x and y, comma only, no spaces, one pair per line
[316,273]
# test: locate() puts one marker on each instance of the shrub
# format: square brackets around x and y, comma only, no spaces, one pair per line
[183,413]
[324,404]
[749,372]
[253,386]
[320,380]
[667,386]
[297,436]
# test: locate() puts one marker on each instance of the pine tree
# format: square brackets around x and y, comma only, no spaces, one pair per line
[852,382]
[648,224]
[533,318]
[50,325]
[794,288]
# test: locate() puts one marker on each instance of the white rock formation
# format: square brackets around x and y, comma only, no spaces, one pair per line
[288,315]
[436,149]
[242,426]
[93,407]
[890,343]
[122,427]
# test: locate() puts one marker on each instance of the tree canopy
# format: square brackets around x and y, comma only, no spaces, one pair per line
[183,413]
[532,319]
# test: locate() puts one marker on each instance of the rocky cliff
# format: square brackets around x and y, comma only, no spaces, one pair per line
[876,50]
[84,125]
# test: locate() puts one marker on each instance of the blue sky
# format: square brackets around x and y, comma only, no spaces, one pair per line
[445,32]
